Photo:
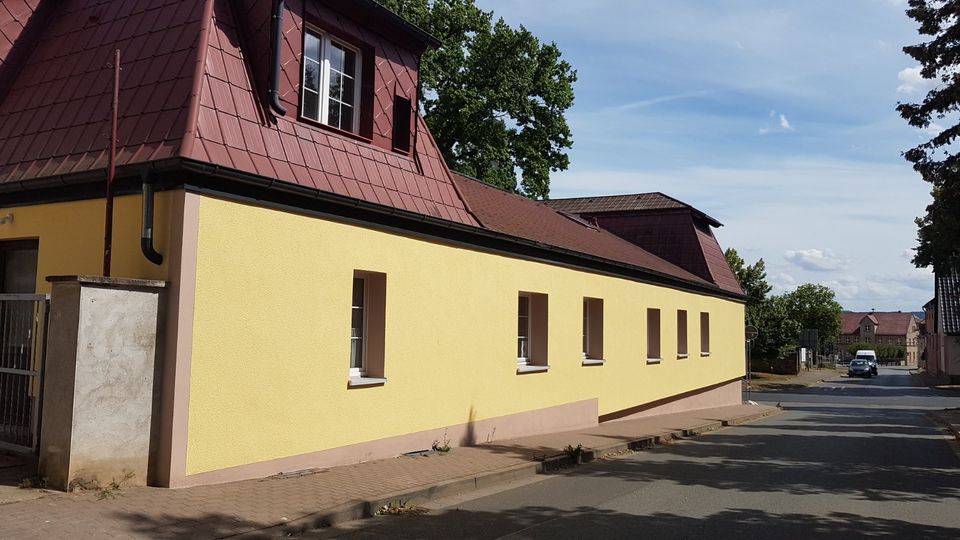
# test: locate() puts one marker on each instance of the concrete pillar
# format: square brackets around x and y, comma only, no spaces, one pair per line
[99,395]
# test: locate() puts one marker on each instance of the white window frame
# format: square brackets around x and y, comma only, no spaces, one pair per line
[586,328]
[362,370]
[525,360]
[323,109]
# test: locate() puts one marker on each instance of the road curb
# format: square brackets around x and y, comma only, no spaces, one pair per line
[950,429]
[941,421]
[366,508]
[751,417]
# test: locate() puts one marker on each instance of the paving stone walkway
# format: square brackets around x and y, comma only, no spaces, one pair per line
[246,507]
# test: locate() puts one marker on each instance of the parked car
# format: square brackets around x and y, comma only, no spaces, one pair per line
[871,357]
[859,368]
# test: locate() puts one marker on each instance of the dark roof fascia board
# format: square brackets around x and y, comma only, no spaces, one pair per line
[237,185]
[392,19]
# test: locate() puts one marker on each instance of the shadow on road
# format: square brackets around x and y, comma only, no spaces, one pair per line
[810,454]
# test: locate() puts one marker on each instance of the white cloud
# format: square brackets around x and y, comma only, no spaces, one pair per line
[781,282]
[777,122]
[784,123]
[911,81]
[815,260]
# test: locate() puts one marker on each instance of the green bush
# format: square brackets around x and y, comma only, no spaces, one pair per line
[884,351]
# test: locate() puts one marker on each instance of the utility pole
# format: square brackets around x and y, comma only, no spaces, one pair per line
[111,167]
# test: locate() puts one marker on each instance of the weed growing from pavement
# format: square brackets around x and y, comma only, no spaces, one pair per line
[441,448]
[111,490]
[401,508]
[575,453]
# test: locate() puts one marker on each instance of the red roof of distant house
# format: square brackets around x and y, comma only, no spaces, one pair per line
[889,323]
[517,216]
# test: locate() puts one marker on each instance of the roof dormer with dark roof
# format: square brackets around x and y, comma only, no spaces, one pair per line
[662,225]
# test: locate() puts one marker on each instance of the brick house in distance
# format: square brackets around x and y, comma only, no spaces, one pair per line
[882,328]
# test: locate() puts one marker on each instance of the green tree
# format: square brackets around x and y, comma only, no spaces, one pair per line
[752,278]
[884,351]
[494,96]
[937,159]
[776,331]
[814,306]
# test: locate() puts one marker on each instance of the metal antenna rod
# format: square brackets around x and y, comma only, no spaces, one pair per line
[111,166]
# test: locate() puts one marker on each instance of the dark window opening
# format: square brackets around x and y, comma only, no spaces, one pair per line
[401,123]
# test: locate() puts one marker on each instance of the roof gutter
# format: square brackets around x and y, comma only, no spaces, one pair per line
[276,38]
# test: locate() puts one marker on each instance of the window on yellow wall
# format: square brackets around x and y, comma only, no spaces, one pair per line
[682,333]
[704,334]
[531,332]
[592,329]
[653,335]
[367,325]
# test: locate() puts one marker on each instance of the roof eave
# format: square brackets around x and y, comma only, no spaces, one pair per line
[391,18]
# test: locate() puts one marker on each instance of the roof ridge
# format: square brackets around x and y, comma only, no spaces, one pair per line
[193,108]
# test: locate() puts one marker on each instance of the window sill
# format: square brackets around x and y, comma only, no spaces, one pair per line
[361,382]
[654,360]
[593,361]
[683,355]
[532,369]
[336,130]
[704,354]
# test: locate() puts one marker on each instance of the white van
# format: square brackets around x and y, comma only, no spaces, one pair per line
[870,356]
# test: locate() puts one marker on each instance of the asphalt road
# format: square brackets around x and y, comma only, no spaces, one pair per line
[850,458]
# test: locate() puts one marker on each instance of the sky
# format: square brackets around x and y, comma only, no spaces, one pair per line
[776,118]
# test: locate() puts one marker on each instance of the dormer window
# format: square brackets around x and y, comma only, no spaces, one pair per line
[331,82]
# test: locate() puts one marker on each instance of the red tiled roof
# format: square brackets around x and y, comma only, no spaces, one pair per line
[717,263]
[520,217]
[55,118]
[14,15]
[889,323]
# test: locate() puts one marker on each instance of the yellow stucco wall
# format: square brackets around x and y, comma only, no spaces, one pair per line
[71,237]
[270,352]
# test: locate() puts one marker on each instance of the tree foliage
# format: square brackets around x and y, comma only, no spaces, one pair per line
[752,278]
[494,96]
[937,159]
[776,332]
[884,351]
[814,307]
[779,319]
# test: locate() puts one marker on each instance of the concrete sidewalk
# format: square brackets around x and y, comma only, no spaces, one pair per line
[311,499]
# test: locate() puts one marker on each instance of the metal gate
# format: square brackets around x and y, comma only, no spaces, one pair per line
[23,323]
